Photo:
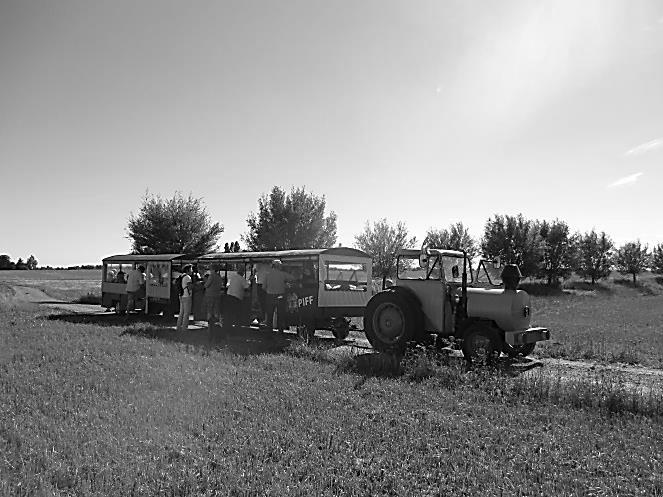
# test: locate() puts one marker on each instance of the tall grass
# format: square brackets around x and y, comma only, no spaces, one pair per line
[91,410]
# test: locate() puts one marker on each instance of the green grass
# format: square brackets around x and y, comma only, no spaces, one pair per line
[615,322]
[91,410]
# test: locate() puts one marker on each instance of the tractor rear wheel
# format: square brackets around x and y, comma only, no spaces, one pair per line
[389,322]
[481,345]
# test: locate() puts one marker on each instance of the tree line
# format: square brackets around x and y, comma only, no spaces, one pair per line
[297,219]
[7,263]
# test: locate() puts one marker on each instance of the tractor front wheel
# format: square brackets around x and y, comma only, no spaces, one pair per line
[481,345]
[389,322]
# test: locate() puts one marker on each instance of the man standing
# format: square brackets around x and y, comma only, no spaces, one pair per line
[275,288]
[186,297]
[135,283]
[237,285]
[213,291]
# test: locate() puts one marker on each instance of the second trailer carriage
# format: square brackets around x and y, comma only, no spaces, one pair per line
[329,286]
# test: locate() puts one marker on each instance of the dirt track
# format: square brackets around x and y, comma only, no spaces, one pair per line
[631,377]
[33,295]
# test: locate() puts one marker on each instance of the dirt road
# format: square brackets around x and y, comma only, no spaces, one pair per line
[31,295]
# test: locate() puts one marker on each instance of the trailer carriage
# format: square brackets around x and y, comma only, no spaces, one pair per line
[158,294]
[330,285]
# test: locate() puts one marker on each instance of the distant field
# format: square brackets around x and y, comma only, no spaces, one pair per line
[67,285]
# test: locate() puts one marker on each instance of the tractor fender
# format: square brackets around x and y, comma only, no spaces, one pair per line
[414,301]
[411,298]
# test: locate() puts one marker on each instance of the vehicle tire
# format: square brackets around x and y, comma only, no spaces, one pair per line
[341,328]
[519,350]
[390,322]
[154,309]
[481,345]
[117,308]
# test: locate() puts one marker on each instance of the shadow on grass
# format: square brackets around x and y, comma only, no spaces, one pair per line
[111,319]
[241,340]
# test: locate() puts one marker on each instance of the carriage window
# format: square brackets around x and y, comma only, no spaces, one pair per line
[157,274]
[346,276]
[117,273]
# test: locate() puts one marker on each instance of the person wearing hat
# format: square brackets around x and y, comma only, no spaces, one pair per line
[213,291]
[275,288]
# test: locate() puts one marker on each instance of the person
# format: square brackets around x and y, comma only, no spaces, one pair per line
[237,285]
[213,291]
[186,298]
[275,288]
[135,283]
[119,277]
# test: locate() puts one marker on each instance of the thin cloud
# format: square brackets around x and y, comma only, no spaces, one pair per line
[627,180]
[644,148]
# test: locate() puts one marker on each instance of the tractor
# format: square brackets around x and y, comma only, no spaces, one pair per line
[436,293]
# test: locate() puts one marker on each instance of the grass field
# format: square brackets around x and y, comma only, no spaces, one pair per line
[614,323]
[93,410]
[68,285]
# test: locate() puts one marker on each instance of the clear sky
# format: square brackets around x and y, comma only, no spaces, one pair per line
[426,112]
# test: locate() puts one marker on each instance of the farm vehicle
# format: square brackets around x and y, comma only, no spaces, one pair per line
[432,295]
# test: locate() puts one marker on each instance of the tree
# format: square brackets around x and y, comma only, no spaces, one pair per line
[6,262]
[294,220]
[31,262]
[558,251]
[594,255]
[179,225]
[632,258]
[657,259]
[20,264]
[515,240]
[382,242]
[457,237]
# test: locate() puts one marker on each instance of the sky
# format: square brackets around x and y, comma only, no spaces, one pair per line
[425,112]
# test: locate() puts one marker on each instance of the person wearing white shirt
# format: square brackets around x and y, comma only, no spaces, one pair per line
[237,285]
[135,285]
[186,299]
